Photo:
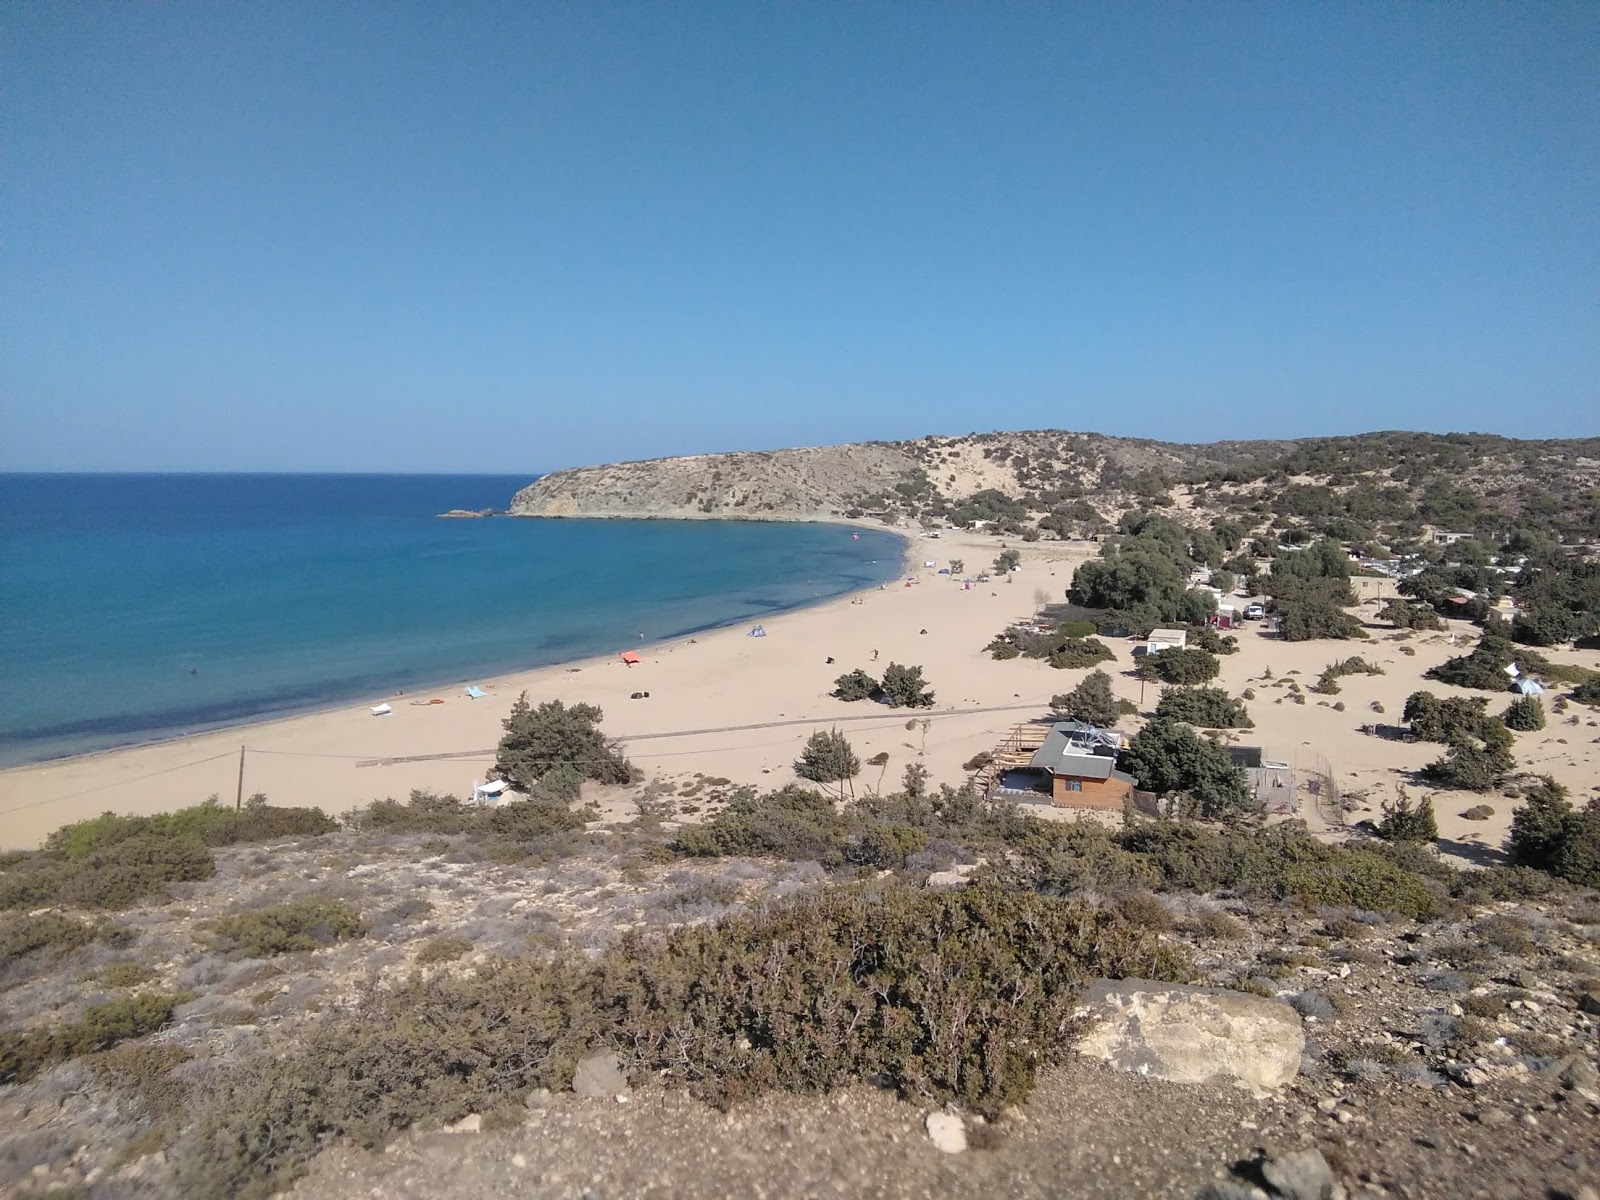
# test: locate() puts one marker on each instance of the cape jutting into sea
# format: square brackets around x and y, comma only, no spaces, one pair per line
[140,607]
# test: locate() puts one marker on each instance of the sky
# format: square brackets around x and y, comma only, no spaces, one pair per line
[515,237]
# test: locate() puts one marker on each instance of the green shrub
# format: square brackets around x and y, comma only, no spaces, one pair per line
[1002,651]
[1074,654]
[1168,757]
[113,876]
[904,687]
[124,974]
[1328,682]
[1091,701]
[855,685]
[539,741]
[1469,768]
[23,1055]
[141,1074]
[1485,667]
[443,950]
[49,935]
[1208,639]
[209,824]
[1207,707]
[794,823]
[1179,664]
[885,846]
[1587,692]
[1524,714]
[1404,822]
[948,996]
[1410,616]
[308,924]
[827,758]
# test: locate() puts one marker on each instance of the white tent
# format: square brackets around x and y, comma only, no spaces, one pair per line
[381,710]
[1529,687]
[758,631]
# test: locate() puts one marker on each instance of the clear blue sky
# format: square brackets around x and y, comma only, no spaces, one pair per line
[519,236]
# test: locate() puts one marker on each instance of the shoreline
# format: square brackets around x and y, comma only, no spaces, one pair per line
[491,677]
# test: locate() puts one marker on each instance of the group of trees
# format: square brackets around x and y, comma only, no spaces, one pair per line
[1207,707]
[1478,757]
[1310,590]
[1067,647]
[1143,576]
[1168,757]
[900,687]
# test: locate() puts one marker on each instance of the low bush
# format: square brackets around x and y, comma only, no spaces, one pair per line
[1179,664]
[1074,654]
[24,1054]
[443,950]
[1328,682]
[945,996]
[210,824]
[1548,834]
[1478,812]
[1524,714]
[1207,707]
[1587,692]
[308,924]
[49,935]
[1469,768]
[1404,822]
[855,685]
[113,876]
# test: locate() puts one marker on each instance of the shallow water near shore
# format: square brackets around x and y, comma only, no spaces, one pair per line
[140,607]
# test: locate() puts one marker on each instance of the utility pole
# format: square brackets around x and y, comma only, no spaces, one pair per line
[238,796]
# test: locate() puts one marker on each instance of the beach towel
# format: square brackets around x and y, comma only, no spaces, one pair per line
[476,693]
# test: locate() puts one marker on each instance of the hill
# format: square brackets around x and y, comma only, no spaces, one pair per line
[1048,483]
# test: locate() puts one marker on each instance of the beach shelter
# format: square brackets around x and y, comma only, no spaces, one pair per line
[476,693]
[757,631]
[630,657]
[1529,687]
[381,710]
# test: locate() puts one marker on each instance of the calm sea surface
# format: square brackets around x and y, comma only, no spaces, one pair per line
[137,607]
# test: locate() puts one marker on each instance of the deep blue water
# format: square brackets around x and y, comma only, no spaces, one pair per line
[284,592]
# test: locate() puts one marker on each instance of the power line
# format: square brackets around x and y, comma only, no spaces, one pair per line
[115,783]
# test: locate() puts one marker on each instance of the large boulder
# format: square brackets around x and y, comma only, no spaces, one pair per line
[1187,1034]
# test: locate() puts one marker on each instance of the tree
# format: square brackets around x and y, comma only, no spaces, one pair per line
[1455,719]
[1091,701]
[1223,580]
[828,758]
[1179,664]
[1168,756]
[1524,714]
[855,685]
[1538,827]
[1007,559]
[1470,768]
[539,741]
[1547,625]
[904,687]
[1307,616]
[1484,669]
[1409,616]
[1207,707]
[1403,822]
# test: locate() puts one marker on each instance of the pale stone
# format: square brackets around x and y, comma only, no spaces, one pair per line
[1187,1034]
[600,1075]
[947,1133]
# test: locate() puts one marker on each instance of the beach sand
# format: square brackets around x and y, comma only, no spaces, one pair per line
[727,705]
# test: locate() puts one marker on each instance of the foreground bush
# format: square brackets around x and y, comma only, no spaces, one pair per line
[113,876]
[49,934]
[209,824]
[1524,714]
[24,1055]
[944,996]
[1548,834]
[284,928]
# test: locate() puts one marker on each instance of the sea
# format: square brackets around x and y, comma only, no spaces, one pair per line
[135,608]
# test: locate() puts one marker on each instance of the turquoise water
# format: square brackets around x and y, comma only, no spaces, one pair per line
[137,607]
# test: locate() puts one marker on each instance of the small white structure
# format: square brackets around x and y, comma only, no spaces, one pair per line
[1166,639]
[381,710]
[491,794]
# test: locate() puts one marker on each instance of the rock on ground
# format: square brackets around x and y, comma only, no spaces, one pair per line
[1186,1034]
[600,1075]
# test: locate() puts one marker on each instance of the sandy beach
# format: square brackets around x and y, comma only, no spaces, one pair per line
[728,705]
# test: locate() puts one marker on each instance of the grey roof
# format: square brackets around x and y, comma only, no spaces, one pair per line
[1077,749]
